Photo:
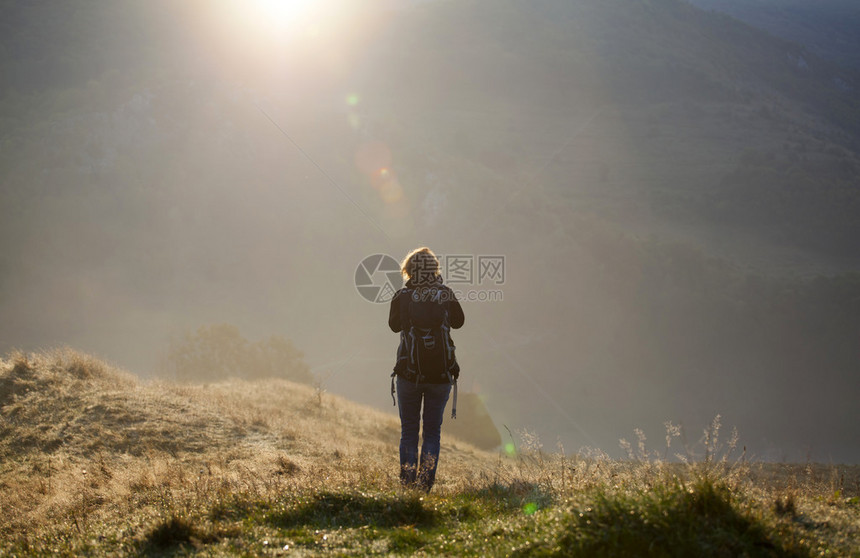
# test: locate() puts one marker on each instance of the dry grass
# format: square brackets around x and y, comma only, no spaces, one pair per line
[83,443]
[94,460]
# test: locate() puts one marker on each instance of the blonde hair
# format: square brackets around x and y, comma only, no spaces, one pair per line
[420,264]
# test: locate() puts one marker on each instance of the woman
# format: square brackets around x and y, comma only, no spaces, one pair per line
[423,312]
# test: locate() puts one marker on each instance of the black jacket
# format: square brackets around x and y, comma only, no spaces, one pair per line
[452,305]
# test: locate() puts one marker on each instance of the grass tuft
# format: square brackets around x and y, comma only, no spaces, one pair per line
[286,466]
[671,520]
[173,531]
[785,505]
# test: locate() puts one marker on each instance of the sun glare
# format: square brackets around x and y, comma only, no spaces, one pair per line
[281,12]
[278,16]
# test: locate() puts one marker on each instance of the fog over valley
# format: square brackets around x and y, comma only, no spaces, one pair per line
[650,209]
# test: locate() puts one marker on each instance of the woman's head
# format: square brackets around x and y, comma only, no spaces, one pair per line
[420,266]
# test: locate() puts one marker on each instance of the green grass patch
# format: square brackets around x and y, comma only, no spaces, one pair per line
[671,520]
[510,498]
[407,539]
[337,509]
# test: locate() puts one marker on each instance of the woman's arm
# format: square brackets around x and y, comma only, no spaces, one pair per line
[394,313]
[455,313]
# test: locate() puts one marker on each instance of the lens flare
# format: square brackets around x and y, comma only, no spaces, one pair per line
[389,188]
[372,156]
[374,160]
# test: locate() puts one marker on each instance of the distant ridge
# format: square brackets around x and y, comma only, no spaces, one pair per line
[828,28]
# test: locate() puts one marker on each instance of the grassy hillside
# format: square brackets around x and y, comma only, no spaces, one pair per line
[94,461]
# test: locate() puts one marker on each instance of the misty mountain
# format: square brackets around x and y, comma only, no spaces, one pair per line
[675,194]
[828,28]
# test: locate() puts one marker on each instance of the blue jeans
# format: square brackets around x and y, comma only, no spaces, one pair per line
[409,396]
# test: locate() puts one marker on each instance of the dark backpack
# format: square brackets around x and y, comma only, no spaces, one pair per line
[426,351]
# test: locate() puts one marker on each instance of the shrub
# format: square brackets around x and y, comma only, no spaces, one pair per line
[216,352]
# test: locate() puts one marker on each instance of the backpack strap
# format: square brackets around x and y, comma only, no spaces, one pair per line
[454,406]
[453,381]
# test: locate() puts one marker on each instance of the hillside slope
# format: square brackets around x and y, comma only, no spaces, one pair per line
[828,28]
[71,407]
[83,442]
[657,116]
[95,462]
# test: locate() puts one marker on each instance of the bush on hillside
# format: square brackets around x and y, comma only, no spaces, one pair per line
[474,424]
[217,352]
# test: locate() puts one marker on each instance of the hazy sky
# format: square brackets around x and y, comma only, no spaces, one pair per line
[166,167]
